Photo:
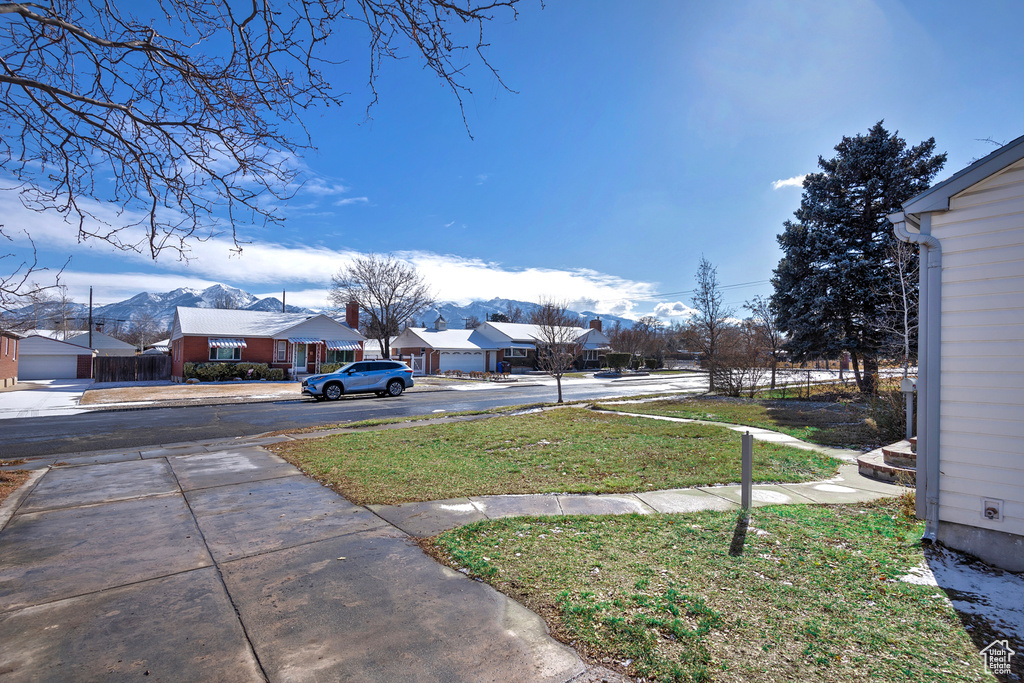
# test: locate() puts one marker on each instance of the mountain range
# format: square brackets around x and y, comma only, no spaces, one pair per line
[158,309]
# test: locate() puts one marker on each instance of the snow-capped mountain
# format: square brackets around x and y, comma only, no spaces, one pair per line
[157,309]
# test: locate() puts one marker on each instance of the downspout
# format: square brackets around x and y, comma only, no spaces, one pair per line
[929,353]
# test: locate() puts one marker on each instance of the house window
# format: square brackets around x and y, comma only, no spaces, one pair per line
[516,353]
[225,354]
[282,351]
[340,356]
[590,354]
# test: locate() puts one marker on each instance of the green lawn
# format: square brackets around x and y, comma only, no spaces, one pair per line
[569,450]
[839,425]
[803,593]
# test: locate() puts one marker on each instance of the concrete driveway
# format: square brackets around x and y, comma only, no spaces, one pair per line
[42,398]
[224,563]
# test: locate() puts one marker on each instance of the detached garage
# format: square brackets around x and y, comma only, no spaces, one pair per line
[45,358]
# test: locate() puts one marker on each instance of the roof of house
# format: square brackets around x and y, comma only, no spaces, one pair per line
[35,345]
[936,198]
[100,341]
[525,332]
[214,322]
[448,340]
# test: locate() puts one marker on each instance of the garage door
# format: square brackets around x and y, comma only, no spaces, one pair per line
[47,367]
[467,361]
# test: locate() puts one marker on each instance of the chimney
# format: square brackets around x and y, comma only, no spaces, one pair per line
[99,328]
[595,324]
[352,315]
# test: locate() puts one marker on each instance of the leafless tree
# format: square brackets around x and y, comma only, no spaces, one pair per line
[766,331]
[558,339]
[642,340]
[389,292]
[711,320]
[179,113]
[902,292]
[741,363]
[144,330]
[514,314]
[225,302]
[472,322]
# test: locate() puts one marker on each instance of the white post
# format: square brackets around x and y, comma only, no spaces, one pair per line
[747,470]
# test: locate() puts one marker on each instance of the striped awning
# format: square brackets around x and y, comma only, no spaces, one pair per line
[226,343]
[342,345]
[304,340]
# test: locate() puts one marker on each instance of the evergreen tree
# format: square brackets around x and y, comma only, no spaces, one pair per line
[830,291]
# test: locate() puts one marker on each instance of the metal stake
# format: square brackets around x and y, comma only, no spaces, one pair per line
[747,469]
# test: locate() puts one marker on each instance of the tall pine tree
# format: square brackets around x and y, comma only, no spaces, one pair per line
[830,286]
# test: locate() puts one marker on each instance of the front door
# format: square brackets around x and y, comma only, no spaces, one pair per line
[299,361]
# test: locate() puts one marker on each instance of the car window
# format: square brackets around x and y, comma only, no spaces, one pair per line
[386,365]
[359,367]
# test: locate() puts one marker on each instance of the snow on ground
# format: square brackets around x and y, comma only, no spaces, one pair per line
[975,588]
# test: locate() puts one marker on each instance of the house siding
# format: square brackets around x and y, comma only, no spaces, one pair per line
[982,385]
[8,361]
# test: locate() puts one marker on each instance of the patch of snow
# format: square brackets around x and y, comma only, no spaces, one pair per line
[457,507]
[834,488]
[974,588]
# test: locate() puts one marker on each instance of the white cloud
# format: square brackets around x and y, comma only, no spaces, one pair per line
[481,178]
[321,187]
[795,181]
[675,309]
[264,266]
[352,200]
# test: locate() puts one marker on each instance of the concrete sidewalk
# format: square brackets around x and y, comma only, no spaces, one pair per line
[215,563]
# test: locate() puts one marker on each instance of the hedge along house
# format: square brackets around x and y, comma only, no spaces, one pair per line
[518,342]
[438,349]
[298,343]
[970,460]
[8,358]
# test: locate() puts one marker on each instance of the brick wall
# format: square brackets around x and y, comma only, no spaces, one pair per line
[8,361]
[85,366]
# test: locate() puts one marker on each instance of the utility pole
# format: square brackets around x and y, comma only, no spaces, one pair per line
[284,309]
[90,317]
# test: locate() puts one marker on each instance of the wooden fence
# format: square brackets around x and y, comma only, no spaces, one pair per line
[131,368]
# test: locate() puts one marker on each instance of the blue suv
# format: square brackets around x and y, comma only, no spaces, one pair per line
[382,377]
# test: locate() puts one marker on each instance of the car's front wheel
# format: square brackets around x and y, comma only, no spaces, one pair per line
[333,391]
[395,387]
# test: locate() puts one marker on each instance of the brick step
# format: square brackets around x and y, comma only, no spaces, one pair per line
[901,454]
[873,465]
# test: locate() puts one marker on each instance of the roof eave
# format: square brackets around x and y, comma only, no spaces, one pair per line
[937,198]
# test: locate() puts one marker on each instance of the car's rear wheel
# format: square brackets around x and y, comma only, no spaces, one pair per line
[333,391]
[395,387]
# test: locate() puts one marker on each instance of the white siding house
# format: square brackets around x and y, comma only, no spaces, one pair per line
[971,382]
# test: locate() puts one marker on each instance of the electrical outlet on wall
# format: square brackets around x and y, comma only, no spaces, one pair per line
[992,509]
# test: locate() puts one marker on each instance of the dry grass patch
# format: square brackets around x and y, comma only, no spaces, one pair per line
[797,593]
[841,424]
[11,480]
[570,450]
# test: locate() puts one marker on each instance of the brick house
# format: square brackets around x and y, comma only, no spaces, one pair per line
[8,358]
[298,343]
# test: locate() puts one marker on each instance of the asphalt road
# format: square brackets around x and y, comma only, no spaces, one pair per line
[138,428]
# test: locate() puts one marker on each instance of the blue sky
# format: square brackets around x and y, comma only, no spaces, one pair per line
[642,135]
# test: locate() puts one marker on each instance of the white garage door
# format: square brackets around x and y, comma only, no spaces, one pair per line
[467,361]
[47,367]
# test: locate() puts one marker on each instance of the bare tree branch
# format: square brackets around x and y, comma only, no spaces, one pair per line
[185,120]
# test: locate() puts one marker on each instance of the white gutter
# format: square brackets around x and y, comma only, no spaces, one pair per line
[929,354]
